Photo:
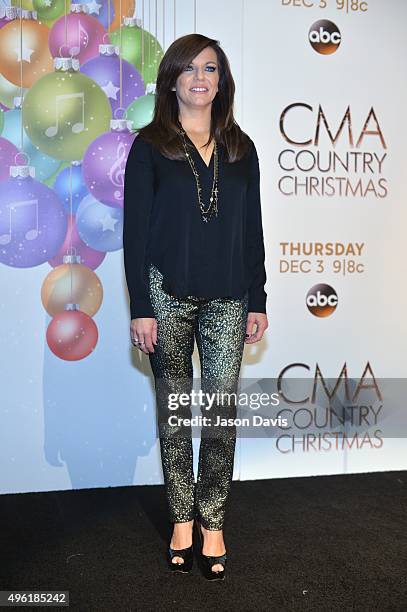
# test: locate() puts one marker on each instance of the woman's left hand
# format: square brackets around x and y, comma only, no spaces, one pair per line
[260,320]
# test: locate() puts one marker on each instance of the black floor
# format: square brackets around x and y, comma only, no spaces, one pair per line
[319,543]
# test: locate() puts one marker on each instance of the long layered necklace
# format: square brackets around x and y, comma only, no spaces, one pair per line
[212,209]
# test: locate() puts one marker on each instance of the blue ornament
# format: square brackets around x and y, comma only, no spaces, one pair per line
[44,165]
[100,226]
[79,189]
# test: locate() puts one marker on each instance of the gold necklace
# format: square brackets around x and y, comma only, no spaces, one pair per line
[213,200]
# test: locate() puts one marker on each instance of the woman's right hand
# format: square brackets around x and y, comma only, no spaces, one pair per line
[145,331]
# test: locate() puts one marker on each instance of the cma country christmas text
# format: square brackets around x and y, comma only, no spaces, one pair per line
[311,167]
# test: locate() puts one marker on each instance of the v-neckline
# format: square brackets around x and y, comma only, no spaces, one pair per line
[207,166]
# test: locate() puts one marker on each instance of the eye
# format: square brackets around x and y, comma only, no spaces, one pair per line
[211,68]
[188,67]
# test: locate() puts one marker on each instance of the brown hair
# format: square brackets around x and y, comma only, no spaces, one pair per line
[163,130]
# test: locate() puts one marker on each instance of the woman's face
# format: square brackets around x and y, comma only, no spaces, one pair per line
[201,73]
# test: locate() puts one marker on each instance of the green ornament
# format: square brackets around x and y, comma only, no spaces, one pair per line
[131,50]
[49,9]
[141,111]
[8,91]
[64,112]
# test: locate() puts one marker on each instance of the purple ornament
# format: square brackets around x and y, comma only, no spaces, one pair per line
[5,15]
[84,35]
[104,163]
[105,70]
[8,151]
[32,220]
[100,10]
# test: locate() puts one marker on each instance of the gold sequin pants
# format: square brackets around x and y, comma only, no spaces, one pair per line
[219,326]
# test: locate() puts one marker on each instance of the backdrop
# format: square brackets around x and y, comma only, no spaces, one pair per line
[320,88]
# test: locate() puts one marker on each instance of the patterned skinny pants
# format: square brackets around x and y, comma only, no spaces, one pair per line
[219,326]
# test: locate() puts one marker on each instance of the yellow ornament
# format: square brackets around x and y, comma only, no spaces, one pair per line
[26,4]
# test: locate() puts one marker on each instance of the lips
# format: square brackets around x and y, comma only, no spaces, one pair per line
[199,89]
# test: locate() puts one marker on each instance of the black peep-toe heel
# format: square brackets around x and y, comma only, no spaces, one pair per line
[208,561]
[184,553]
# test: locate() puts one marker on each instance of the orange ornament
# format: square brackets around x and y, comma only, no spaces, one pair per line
[72,282]
[32,54]
[128,7]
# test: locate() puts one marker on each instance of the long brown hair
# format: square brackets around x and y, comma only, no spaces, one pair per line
[163,130]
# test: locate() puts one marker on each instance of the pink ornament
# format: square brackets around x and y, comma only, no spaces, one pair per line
[8,151]
[84,35]
[104,163]
[72,335]
[89,257]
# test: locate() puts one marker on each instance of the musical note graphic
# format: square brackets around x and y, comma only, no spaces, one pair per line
[30,234]
[81,30]
[116,172]
[52,130]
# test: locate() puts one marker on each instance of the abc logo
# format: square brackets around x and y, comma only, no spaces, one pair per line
[324,37]
[322,300]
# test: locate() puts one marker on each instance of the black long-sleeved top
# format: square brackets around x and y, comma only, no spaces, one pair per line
[223,257]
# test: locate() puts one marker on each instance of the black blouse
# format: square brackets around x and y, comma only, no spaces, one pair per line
[223,257]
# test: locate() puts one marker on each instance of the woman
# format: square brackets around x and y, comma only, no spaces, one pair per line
[194,264]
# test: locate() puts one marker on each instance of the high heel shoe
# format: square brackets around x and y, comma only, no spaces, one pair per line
[209,561]
[184,553]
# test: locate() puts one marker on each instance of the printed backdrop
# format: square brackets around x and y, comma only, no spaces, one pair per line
[320,89]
